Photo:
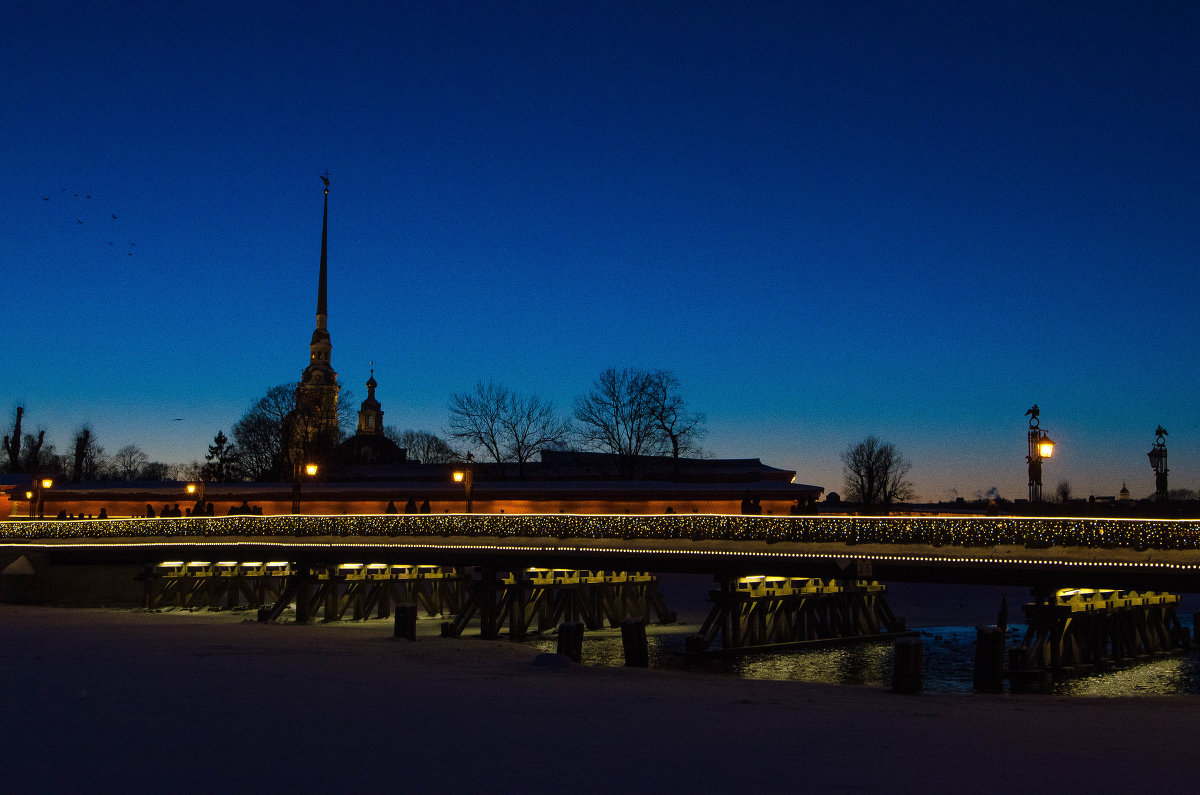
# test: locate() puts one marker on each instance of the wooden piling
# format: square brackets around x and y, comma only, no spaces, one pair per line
[633,642]
[989,658]
[570,640]
[909,670]
[406,621]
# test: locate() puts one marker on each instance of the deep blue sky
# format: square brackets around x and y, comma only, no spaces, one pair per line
[830,220]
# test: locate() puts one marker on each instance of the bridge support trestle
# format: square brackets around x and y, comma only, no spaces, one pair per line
[1082,628]
[751,613]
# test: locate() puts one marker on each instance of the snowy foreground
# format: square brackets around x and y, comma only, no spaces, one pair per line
[112,700]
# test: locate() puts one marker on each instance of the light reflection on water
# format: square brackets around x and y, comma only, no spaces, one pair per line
[949,655]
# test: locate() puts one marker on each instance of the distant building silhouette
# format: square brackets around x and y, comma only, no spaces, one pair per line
[369,446]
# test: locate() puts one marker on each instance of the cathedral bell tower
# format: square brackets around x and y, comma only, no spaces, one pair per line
[314,422]
[370,414]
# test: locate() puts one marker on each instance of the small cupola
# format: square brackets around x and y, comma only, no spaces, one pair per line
[370,414]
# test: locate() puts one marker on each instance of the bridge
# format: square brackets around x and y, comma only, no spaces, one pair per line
[1042,553]
[782,580]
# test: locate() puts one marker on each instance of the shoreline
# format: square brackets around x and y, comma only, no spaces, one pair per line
[120,699]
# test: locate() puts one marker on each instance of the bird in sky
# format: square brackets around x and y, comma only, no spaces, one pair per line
[114,217]
[78,221]
[177,419]
[45,198]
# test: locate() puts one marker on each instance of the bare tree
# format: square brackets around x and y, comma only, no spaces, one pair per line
[876,473]
[617,416]
[88,456]
[423,446]
[530,426]
[259,433]
[155,470]
[476,419]
[129,462]
[12,442]
[504,425]
[680,429]
[1063,490]
[37,457]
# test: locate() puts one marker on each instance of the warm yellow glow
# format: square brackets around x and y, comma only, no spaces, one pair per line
[47,483]
[310,469]
[1045,448]
[29,495]
[458,477]
[191,488]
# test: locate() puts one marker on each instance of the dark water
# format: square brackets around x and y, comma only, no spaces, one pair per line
[949,657]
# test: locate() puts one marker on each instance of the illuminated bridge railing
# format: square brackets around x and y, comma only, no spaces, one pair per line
[1138,534]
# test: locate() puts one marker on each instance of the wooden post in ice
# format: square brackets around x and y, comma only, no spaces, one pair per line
[908,674]
[406,621]
[570,640]
[989,658]
[633,641]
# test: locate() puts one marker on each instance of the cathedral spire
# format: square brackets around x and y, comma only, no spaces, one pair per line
[322,310]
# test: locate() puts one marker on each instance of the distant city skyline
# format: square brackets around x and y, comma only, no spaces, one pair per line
[829,221]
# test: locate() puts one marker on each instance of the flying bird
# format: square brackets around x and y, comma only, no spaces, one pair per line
[78,221]
[177,419]
[45,198]
[113,215]
[325,179]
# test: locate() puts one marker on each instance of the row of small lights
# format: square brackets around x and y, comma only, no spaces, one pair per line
[642,551]
[952,531]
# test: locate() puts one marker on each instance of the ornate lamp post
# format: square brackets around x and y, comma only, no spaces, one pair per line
[1040,447]
[1158,462]
[465,476]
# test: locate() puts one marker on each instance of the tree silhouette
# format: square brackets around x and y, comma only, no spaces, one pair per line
[222,458]
[618,416]
[423,446]
[875,473]
[505,426]
[129,462]
[12,443]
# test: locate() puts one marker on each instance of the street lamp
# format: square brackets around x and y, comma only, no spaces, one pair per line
[311,471]
[36,496]
[466,477]
[1040,447]
[1158,462]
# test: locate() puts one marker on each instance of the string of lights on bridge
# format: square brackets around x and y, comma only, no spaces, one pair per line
[967,532]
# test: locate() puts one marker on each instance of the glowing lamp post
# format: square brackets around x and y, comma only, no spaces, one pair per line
[308,469]
[1158,462]
[465,476]
[36,496]
[1040,447]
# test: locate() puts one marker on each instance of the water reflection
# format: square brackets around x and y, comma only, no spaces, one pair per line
[948,661]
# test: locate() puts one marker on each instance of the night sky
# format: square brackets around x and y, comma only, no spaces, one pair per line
[913,220]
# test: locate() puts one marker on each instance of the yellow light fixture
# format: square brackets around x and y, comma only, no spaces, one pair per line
[29,495]
[1045,447]
[191,488]
[458,477]
[310,469]
[47,483]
